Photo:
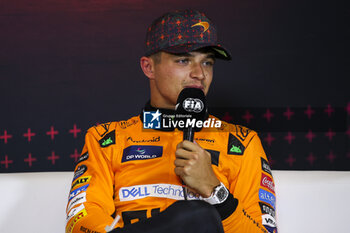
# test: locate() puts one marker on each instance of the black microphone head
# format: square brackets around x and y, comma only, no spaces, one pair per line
[191,107]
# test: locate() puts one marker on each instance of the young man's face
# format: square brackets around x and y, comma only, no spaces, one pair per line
[176,72]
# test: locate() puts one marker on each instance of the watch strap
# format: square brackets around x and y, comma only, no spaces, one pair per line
[218,196]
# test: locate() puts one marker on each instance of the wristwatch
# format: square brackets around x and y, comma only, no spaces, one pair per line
[218,196]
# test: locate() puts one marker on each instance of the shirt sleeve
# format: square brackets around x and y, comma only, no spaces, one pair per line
[254,192]
[90,202]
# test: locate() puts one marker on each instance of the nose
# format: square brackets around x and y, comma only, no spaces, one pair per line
[197,71]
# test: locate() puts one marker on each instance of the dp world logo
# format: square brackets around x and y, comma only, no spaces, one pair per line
[151,120]
[193,105]
[139,150]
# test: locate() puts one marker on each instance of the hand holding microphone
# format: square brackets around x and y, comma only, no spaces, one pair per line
[193,163]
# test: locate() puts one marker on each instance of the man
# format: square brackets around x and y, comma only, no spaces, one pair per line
[139,176]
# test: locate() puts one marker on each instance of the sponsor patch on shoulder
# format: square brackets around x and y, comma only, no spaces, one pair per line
[80,171]
[81,198]
[74,211]
[235,147]
[81,181]
[108,139]
[267,182]
[141,153]
[267,197]
[268,220]
[83,157]
[76,219]
[77,191]
[265,209]
[265,166]
[271,229]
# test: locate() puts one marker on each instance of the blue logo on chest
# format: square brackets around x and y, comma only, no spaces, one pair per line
[141,153]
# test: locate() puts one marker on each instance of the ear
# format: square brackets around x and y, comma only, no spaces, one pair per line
[147,66]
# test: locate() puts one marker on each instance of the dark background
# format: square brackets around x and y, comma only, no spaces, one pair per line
[66,63]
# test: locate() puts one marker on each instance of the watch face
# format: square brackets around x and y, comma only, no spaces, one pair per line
[221,194]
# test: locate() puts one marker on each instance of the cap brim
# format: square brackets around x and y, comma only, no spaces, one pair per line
[218,50]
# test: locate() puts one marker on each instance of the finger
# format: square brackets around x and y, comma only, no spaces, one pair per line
[178,171]
[180,162]
[190,146]
[183,154]
[183,172]
[179,145]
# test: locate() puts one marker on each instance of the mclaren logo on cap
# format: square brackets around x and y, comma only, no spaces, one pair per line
[205,25]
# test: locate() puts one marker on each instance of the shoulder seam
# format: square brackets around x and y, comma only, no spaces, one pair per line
[255,133]
[101,130]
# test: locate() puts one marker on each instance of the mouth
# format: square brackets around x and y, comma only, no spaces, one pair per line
[195,86]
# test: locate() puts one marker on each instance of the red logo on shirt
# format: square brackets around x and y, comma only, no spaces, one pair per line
[267,182]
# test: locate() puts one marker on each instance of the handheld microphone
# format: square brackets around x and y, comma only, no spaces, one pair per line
[191,107]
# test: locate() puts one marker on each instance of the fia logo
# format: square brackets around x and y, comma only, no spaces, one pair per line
[151,120]
[193,105]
